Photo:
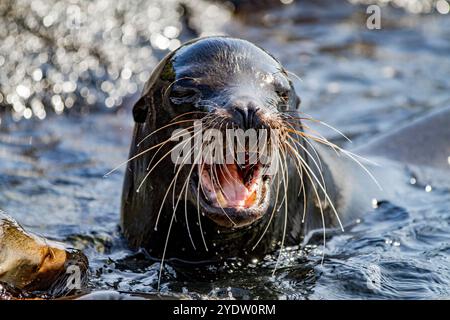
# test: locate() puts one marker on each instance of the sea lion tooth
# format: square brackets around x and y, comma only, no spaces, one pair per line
[221,200]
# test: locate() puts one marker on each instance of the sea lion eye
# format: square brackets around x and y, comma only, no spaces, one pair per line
[282,89]
[283,94]
[180,95]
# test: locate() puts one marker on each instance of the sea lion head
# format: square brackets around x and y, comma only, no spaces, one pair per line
[222,83]
[33,264]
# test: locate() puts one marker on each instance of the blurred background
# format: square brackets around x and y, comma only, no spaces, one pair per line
[70,71]
[79,56]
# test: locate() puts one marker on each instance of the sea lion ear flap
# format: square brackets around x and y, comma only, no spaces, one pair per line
[140,110]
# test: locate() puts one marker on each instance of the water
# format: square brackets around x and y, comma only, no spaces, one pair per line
[362,81]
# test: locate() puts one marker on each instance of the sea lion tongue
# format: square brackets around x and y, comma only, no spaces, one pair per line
[235,192]
[229,188]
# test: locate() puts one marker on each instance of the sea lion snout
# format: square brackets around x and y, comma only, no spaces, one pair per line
[244,112]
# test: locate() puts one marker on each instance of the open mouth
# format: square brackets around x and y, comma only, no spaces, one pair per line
[232,195]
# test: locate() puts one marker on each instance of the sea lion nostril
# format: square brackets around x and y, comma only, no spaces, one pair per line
[246,116]
[240,116]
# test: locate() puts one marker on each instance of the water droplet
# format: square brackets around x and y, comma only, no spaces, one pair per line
[334,87]
[37,75]
[442,6]
[126,73]
[428,188]
[374,203]
[23,91]
[27,113]
[109,102]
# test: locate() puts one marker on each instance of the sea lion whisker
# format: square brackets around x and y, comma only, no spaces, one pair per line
[171,123]
[228,173]
[298,145]
[183,162]
[186,216]
[310,118]
[170,224]
[311,145]
[282,149]
[298,169]
[186,196]
[199,215]
[171,183]
[164,251]
[315,138]
[271,215]
[150,170]
[187,113]
[319,203]
[200,185]
[220,127]
[162,128]
[351,155]
[198,201]
[185,187]
[285,187]
[315,153]
[213,177]
[207,102]
[135,156]
[322,123]
[167,140]
[324,191]
[169,86]
[319,168]
[223,192]
[304,126]
[334,129]
[299,158]
[295,75]
[302,190]
[305,202]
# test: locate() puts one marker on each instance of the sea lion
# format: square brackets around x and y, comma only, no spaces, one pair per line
[244,87]
[192,213]
[31,264]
